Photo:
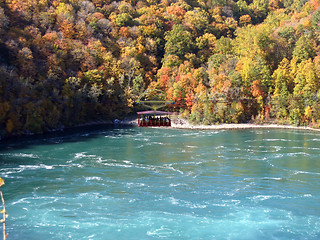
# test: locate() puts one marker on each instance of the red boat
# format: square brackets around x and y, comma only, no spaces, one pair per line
[154,119]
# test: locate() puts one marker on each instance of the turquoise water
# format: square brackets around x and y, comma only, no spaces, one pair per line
[142,183]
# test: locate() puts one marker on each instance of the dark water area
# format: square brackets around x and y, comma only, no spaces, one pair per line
[108,182]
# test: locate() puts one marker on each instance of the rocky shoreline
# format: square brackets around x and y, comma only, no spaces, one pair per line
[179,123]
[241,126]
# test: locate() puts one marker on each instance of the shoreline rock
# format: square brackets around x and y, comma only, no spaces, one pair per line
[180,123]
[240,126]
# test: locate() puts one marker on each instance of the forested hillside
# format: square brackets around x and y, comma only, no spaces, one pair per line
[67,62]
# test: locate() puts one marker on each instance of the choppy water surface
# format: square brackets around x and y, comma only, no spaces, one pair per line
[140,183]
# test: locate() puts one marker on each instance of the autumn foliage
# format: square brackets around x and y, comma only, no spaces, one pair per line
[69,62]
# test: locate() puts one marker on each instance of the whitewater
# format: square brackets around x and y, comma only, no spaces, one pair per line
[112,182]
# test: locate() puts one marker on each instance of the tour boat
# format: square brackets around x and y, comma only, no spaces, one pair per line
[154,119]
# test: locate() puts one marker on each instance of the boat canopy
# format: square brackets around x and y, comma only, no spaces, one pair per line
[154,113]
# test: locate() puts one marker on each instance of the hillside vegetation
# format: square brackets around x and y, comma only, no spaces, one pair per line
[68,62]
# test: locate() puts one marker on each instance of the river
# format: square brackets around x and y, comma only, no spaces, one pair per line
[140,183]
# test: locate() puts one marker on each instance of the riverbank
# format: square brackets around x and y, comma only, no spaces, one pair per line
[241,126]
[179,123]
[184,124]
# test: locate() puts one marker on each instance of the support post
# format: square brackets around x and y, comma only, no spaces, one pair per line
[3,211]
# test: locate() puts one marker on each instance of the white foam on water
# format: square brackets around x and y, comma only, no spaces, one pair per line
[272,178]
[295,154]
[277,148]
[236,197]
[113,137]
[84,155]
[295,172]
[278,155]
[20,155]
[131,184]
[80,155]
[117,165]
[170,167]
[261,198]
[220,147]
[232,202]
[77,165]
[314,139]
[276,140]
[22,200]
[128,162]
[93,179]
[144,139]
[161,232]
[187,204]
[46,167]
[191,146]
[34,167]
[177,184]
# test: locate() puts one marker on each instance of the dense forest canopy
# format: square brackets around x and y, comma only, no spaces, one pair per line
[66,62]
